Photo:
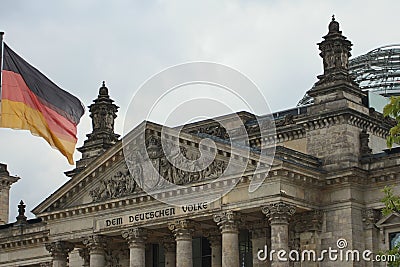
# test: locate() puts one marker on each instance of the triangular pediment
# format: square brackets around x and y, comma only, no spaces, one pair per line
[390,220]
[121,172]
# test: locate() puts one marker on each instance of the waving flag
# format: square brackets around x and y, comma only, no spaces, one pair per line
[30,101]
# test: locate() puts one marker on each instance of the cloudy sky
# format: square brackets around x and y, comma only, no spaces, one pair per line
[78,44]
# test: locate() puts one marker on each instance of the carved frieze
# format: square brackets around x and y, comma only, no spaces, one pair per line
[180,167]
[214,130]
[287,120]
[158,167]
[119,185]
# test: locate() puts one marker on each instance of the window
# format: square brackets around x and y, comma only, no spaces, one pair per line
[201,252]
[158,256]
[394,239]
[245,249]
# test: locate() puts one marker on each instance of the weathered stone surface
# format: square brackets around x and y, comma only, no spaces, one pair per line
[330,165]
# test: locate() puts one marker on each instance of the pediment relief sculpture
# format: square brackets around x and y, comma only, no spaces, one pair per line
[156,171]
[119,185]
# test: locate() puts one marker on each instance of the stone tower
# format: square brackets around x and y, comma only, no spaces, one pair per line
[335,92]
[6,180]
[103,112]
[336,84]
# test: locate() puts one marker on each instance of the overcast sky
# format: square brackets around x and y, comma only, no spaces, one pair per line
[78,44]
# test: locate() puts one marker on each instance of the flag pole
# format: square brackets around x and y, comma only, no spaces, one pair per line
[1,69]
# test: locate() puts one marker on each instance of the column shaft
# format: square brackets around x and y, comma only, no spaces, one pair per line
[182,230]
[137,255]
[97,258]
[228,223]
[279,215]
[96,245]
[230,249]
[184,251]
[137,247]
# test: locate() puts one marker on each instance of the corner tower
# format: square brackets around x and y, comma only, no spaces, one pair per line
[336,84]
[103,112]
[333,132]
[6,180]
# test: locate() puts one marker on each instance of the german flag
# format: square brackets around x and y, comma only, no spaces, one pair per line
[30,101]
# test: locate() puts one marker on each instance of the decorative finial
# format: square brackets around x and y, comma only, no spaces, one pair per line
[103,90]
[21,218]
[21,208]
[333,26]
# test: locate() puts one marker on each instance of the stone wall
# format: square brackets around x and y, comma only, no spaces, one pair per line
[337,146]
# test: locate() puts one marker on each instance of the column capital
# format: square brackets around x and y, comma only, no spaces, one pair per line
[84,254]
[214,238]
[279,213]
[136,236]
[95,243]
[168,243]
[228,221]
[182,229]
[59,249]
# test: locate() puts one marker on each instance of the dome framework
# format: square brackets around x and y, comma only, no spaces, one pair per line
[377,71]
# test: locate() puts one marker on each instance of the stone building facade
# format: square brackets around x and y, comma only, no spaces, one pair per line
[322,190]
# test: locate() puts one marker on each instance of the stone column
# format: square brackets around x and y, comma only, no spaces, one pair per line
[97,245]
[279,215]
[169,246]
[182,230]
[216,250]
[59,251]
[136,238]
[258,242]
[228,223]
[84,254]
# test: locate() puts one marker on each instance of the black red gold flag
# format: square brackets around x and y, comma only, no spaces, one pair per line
[30,101]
